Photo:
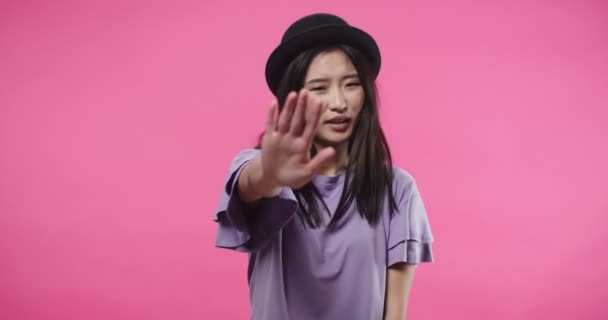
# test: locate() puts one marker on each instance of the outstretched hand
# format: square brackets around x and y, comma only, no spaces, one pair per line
[287,142]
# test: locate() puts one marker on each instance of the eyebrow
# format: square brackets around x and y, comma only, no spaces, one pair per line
[348,76]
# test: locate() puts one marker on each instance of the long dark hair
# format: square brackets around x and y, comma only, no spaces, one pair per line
[369,178]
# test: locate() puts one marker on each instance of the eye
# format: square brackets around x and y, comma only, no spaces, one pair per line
[353,84]
[317,89]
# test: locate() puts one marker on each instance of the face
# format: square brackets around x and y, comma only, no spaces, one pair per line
[332,78]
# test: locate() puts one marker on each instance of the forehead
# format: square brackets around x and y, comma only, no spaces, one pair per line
[332,63]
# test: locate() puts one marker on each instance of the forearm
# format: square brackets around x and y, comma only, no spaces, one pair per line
[253,185]
[398,286]
[397,312]
[398,316]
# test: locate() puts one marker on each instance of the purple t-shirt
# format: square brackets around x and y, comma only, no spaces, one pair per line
[298,273]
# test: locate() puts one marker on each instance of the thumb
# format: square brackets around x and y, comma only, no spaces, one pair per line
[322,158]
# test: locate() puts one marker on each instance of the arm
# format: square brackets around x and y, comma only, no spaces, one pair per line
[246,222]
[399,280]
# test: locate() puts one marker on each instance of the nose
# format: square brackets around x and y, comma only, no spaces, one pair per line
[338,101]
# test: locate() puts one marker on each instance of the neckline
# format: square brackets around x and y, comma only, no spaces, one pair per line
[329,180]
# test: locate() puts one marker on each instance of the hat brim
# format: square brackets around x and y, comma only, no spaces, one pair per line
[288,50]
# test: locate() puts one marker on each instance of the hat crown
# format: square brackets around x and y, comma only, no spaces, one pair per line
[314,30]
[312,22]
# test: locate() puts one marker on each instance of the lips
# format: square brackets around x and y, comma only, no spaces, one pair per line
[339,123]
[338,120]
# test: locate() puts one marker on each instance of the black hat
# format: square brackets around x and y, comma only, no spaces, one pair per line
[318,29]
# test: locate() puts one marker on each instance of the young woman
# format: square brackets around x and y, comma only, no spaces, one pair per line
[332,228]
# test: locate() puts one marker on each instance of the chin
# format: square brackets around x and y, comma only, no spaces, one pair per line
[332,139]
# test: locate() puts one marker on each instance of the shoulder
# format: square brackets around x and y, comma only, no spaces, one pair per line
[240,158]
[402,177]
[248,152]
[245,155]
[404,183]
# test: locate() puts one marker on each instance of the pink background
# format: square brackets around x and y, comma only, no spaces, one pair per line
[118,120]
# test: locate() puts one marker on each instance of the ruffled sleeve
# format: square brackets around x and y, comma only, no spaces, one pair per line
[244,227]
[410,237]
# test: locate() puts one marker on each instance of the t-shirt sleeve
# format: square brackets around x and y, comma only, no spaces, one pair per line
[245,227]
[410,237]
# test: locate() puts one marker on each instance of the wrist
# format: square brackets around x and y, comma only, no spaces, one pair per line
[259,183]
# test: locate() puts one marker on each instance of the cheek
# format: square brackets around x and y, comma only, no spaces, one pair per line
[356,100]
[312,100]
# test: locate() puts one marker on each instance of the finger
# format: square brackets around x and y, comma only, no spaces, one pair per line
[271,121]
[287,112]
[297,121]
[312,123]
[322,158]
